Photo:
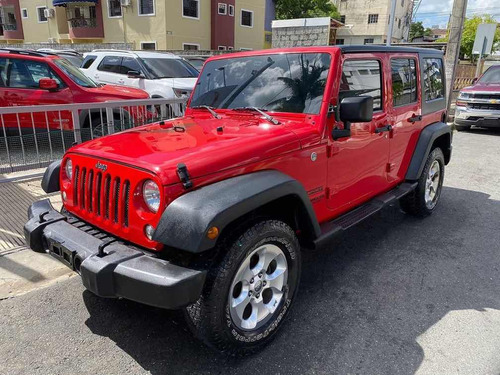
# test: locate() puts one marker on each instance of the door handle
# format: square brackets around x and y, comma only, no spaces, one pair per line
[415,118]
[121,81]
[387,128]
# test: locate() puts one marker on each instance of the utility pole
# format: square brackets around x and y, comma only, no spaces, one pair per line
[391,23]
[453,48]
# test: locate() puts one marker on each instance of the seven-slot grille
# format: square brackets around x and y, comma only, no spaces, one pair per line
[102,194]
[486,96]
[486,106]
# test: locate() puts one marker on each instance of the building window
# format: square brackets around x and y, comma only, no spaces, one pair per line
[372,18]
[191,8]
[114,8]
[339,42]
[222,9]
[222,48]
[230,48]
[246,18]
[231,10]
[41,14]
[433,79]
[342,18]
[246,49]
[362,77]
[402,3]
[368,41]
[24,13]
[190,47]
[399,23]
[146,7]
[148,46]
[404,81]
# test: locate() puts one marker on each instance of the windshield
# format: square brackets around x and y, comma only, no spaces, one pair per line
[282,83]
[75,60]
[169,68]
[491,76]
[74,73]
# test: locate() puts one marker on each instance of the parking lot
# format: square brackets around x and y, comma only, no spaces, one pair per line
[394,295]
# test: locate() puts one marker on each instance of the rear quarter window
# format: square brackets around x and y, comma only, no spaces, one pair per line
[433,79]
[88,61]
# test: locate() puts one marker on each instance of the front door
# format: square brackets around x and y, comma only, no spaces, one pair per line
[357,168]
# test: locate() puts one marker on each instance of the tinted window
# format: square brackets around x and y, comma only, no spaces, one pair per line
[128,64]
[362,77]
[169,68]
[283,83]
[404,81]
[492,75]
[89,60]
[3,72]
[25,74]
[73,59]
[110,64]
[433,79]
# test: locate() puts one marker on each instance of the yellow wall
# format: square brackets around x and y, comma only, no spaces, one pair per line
[245,37]
[35,32]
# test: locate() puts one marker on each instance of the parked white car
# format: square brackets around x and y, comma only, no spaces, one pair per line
[161,75]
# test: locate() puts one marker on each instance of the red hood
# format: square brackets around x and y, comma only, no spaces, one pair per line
[486,87]
[160,148]
[111,92]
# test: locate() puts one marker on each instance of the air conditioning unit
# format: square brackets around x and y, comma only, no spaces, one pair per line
[49,13]
[125,3]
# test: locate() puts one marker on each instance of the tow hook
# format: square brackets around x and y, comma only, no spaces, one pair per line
[101,247]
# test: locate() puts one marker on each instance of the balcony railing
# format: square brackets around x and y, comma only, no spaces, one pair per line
[83,22]
[9,26]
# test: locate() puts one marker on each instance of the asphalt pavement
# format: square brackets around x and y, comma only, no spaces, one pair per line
[395,295]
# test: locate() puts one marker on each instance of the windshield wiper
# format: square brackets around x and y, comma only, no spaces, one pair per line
[209,109]
[269,118]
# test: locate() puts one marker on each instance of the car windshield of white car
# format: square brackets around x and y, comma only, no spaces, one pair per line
[169,68]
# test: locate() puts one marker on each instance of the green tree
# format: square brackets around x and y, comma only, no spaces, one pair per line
[417,30]
[469,35]
[287,9]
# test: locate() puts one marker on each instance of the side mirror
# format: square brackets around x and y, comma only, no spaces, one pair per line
[48,84]
[134,74]
[353,109]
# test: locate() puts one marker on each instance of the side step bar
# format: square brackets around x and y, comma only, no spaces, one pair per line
[335,227]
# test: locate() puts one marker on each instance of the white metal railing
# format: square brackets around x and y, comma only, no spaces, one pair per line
[33,136]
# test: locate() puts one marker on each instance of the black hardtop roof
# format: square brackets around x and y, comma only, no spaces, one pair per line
[394,49]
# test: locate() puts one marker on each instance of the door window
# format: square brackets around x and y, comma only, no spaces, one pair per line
[25,74]
[362,77]
[128,64]
[111,64]
[404,81]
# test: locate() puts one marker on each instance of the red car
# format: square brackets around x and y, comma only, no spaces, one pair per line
[479,104]
[35,78]
[279,151]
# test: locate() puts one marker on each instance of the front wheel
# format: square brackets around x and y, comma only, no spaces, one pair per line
[249,293]
[424,199]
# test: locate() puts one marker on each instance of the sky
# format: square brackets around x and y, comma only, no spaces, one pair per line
[437,12]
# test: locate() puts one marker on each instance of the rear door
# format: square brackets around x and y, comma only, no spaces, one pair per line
[405,111]
[109,71]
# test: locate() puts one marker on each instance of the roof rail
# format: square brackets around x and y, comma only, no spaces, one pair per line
[27,52]
[113,50]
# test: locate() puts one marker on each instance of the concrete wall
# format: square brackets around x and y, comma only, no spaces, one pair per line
[285,37]
[246,37]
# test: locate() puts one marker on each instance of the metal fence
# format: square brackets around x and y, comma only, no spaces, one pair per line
[33,136]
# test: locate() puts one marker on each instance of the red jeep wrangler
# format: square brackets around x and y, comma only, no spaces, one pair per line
[279,150]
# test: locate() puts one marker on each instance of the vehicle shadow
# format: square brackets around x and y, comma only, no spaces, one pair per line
[363,303]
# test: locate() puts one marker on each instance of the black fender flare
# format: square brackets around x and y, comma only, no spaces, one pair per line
[428,136]
[50,180]
[185,221]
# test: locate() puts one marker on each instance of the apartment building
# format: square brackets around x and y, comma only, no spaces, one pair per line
[146,24]
[367,21]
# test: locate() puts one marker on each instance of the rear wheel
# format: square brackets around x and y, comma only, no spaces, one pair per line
[248,294]
[424,199]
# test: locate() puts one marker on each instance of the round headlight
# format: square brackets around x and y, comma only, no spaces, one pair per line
[151,194]
[69,169]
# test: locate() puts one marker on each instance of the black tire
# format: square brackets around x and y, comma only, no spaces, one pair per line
[210,318]
[415,202]
[462,128]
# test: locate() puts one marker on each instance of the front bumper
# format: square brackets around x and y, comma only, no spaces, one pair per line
[115,270]
[477,117]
